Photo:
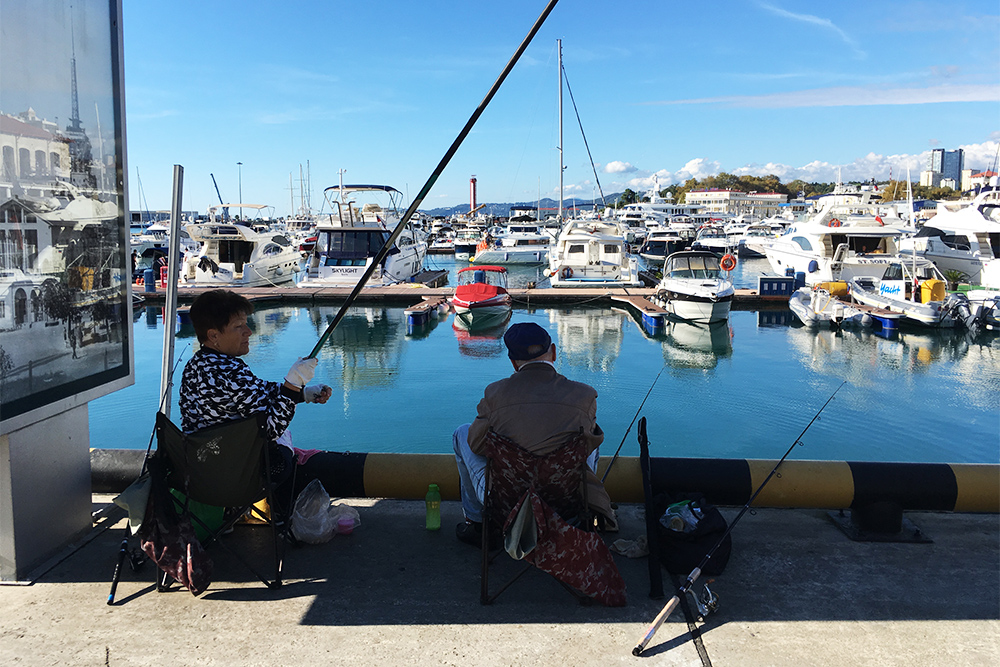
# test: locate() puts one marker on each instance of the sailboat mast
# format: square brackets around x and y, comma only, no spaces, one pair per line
[561,167]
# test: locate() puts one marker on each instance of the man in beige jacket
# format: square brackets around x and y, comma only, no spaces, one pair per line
[537,408]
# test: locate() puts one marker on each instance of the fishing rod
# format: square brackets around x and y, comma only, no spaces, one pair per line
[629,429]
[384,250]
[123,551]
[696,572]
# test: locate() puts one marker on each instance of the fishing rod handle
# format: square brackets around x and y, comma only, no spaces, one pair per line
[665,612]
[657,622]
[116,577]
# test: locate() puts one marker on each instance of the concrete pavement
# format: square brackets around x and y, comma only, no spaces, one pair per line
[796,592]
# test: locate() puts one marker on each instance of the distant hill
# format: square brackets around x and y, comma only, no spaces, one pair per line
[548,206]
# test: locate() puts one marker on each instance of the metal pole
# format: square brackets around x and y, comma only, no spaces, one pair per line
[170,307]
[239,166]
[561,167]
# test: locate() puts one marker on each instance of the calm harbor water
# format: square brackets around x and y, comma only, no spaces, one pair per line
[741,390]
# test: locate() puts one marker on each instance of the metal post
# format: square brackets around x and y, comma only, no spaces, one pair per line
[239,166]
[561,167]
[170,309]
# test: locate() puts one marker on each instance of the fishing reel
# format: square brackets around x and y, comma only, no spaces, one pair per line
[706,603]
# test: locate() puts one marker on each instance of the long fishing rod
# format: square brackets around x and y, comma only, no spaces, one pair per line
[696,572]
[123,551]
[384,250]
[629,429]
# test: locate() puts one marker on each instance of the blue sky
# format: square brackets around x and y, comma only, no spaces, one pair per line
[664,89]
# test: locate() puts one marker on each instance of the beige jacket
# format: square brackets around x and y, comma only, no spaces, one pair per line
[541,410]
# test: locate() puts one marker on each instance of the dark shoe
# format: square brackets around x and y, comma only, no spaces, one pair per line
[470,532]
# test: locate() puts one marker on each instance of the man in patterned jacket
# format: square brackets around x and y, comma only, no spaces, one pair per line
[537,408]
[217,386]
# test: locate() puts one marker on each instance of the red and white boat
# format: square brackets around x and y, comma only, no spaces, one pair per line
[481,298]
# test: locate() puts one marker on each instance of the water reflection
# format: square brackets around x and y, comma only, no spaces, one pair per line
[864,358]
[480,342]
[690,345]
[588,338]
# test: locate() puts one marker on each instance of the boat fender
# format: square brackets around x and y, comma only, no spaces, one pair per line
[835,223]
[813,266]
[567,273]
[728,262]
[139,281]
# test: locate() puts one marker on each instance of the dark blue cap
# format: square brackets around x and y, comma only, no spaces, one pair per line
[526,340]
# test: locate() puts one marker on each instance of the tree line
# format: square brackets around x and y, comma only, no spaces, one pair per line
[890,190]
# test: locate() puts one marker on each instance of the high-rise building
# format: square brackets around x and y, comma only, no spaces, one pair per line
[948,164]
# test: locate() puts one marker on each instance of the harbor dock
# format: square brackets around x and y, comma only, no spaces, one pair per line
[795,592]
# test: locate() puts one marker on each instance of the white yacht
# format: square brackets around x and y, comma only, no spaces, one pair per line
[592,253]
[660,244]
[234,254]
[712,238]
[850,235]
[694,287]
[516,244]
[349,238]
[966,240]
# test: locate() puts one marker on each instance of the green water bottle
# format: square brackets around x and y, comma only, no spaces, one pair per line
[433,501]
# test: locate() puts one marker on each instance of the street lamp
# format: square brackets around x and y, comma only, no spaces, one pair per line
[239,165]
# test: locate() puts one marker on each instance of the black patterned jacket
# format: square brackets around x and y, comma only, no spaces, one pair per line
[218,387]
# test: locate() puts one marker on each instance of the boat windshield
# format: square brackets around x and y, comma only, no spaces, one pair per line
[351,244]
[697,267]
[497,278]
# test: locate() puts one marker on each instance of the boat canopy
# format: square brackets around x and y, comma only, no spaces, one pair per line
[501,269]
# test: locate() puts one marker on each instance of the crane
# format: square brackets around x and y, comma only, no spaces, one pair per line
[225,209]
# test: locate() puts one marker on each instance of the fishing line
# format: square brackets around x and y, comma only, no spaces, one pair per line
[629,429]
[696,572]
[384,250]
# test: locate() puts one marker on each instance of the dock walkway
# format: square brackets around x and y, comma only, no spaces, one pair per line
[796,592]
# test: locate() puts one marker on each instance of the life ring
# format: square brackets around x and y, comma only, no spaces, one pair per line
[835,223]
[728,262]
[139,281]
[567,273]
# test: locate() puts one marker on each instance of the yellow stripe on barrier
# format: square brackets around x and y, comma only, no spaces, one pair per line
[816,484]
[406,476]
[978,487]
[624,484]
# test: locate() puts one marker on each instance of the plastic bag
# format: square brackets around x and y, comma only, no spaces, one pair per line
[681,517]
[312,521]
[345,518]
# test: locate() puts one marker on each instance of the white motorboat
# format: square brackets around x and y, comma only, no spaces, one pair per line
[235,254]
[694,287]
[515,244]
[660,244]
[349,238]
[849,236]
[817,306]
[481,298]
[466,241]
[712,238]
[915,289]
[592,253]
[754,240]
[966,240]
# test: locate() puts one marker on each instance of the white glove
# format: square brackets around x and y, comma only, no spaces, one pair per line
[301,372]
[314,392]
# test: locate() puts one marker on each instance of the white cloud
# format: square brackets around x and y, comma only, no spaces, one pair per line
[873,165]
[618,167]
[846,96]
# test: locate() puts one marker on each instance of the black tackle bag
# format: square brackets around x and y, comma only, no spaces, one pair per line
[681,552]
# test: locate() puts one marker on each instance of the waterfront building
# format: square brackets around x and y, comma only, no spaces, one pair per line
[734,202]
[946,164]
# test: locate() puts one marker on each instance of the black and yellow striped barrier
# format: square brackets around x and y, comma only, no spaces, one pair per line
[953,487]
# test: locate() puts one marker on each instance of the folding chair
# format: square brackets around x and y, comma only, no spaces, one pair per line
[541,504]
[226,465]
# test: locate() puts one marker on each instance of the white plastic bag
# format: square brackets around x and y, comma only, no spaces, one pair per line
[312,521]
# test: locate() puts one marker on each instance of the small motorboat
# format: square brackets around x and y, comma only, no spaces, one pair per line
[694,288]
[481,298]
[820,306]
[919,296]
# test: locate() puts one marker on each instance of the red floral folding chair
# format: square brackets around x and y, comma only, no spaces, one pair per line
[541,504]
